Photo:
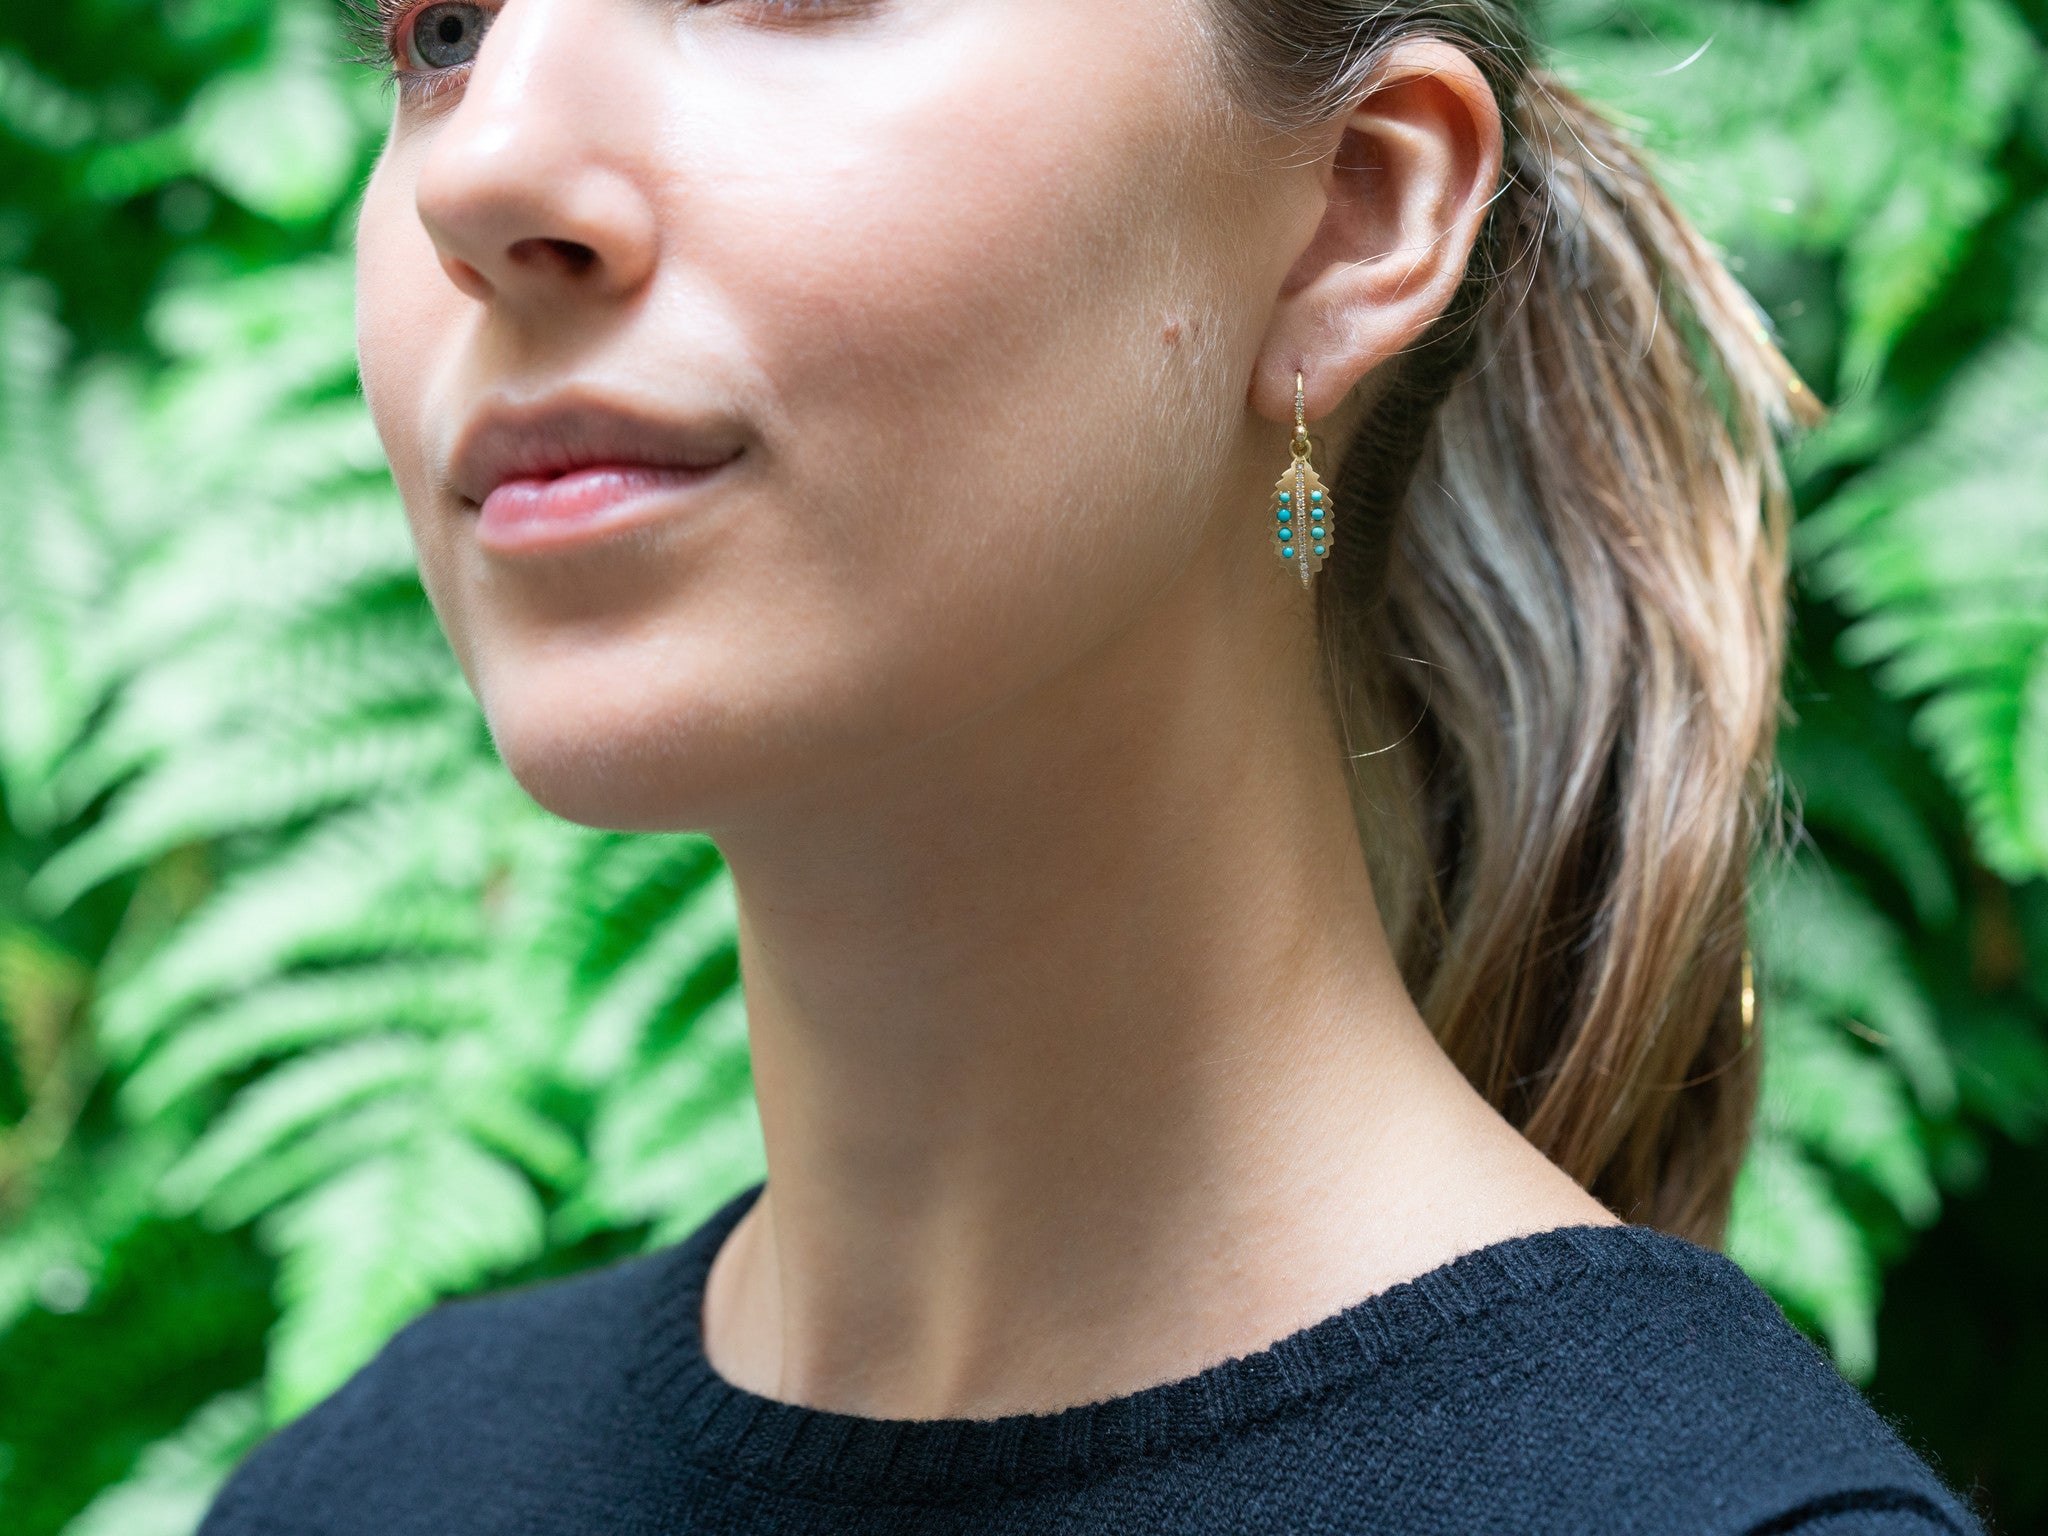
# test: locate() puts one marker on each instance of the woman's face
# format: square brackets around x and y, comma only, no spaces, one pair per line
[775,385]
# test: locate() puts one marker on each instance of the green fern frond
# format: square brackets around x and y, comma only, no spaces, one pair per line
[298,1012]
[376,1246]
[1847,1108]
[676,1136]
[289,1101]
[175,1479]
[254,783]
[616,1019]
[2002,1066]
[505,1123]
[1855,1068]
[1830,953]
[246,562]
[340,878]
[347,1139]
[1791,1233]
[280,334]
[585,902]
[83,1203]
[1960,620]
[54,1234]
[307,679]
[1861,131]
[1850,785]
[54,559]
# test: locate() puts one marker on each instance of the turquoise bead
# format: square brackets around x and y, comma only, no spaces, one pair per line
[1287,551]
[1286,516]
[1286,497]
[1319,549]
[1316,532]
[1315,495]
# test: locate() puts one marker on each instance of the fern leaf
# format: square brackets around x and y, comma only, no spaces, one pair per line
[253,784]
[1847,1108]
[338,886]
[617,1019]
[526,1136]
[1850,785]
[1790,1232]
[297,1012]
[244,563]
[83,1204]
[1830,951]
[1832,126]
[371,1249]
[286,1103]
[175,1479]
[344,1140]
[673,1139]
[54,563]
[1960,621]
[307,677]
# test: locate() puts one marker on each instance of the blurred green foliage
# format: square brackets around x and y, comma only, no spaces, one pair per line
[308,1017]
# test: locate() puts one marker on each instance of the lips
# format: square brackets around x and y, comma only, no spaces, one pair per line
[555,473]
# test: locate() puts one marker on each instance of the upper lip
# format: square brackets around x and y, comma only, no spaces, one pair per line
[560,434]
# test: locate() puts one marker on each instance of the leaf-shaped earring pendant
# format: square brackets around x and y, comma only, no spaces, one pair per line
[1302,526]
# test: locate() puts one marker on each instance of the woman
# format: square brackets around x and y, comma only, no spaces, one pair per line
[1246,976]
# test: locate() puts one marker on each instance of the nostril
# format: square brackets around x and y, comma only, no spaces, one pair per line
[571,256]
[576,257]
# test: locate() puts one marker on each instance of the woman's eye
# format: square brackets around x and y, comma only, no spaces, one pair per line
[446,35]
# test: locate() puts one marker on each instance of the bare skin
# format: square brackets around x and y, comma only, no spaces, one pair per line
[967,331]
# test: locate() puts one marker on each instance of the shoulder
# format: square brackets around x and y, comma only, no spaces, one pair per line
[1643,1383]
[476,1402]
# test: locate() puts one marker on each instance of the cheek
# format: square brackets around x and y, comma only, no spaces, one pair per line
[415,337]
[409,320]
[977,328]
[1002,382]
[407,312]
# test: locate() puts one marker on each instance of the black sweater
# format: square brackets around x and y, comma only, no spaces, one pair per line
[1584,1380]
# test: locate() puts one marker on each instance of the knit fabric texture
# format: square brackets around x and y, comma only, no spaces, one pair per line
[1589,1379]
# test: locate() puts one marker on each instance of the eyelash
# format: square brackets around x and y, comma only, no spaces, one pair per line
[372,27]
[373,33]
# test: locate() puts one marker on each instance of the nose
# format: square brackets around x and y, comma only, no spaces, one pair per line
[530,190]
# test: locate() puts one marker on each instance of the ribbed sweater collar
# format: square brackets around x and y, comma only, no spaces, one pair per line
[741,1434]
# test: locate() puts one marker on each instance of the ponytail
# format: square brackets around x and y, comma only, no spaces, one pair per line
[1556,629]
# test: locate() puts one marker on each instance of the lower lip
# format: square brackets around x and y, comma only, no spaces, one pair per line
[536,516]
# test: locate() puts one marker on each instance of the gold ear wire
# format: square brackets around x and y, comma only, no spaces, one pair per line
[1303,528]
[1748,997]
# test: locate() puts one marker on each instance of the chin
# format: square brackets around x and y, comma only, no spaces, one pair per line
[661,741]
[600,745]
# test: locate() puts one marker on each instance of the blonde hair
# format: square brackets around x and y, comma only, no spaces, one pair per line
[1556,624]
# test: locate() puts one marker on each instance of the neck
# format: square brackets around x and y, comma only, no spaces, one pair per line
[1082,1059]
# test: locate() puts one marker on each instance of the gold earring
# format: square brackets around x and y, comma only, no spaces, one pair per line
[1748,998]
[1302,526]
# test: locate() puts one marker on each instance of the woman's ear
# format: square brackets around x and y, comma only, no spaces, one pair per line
[1406,189]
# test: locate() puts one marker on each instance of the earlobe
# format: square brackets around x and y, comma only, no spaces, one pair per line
[1406,186]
